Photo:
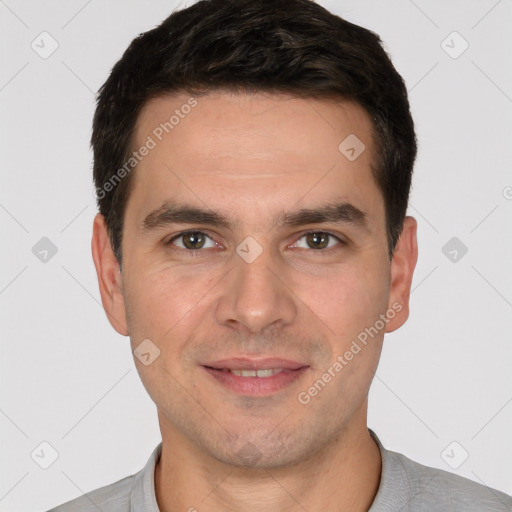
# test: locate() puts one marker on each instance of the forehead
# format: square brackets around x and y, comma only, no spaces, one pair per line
[221,123]
[271,149]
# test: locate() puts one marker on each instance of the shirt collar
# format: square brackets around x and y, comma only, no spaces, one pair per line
[395,486]
[143,495]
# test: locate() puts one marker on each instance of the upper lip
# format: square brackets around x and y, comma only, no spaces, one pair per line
[241,363]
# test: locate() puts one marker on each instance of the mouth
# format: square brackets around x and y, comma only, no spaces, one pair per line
[255,377]
[268,372]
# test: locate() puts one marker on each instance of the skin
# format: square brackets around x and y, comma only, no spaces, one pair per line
[252,157]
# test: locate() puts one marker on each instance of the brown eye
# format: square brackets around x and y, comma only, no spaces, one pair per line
[190,240]
[193,240]
[321,241]
[317,240]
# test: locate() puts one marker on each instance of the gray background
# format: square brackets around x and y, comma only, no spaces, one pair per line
[67,378]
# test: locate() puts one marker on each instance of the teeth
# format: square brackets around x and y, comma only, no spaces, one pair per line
[256,373]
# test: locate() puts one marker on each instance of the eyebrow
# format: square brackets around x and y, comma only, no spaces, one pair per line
[339,213]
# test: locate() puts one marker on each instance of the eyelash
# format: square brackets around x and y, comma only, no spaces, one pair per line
[197,252]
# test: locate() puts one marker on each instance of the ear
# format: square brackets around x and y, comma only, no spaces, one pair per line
[403,263]
[109,276]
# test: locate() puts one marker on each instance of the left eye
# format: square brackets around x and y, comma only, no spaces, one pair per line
[318,240]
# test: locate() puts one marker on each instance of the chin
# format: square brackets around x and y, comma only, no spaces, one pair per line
[264,451]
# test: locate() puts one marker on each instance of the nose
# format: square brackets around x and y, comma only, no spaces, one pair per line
[256,296]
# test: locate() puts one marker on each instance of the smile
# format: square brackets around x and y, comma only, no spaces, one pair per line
[255,382]
[254,373]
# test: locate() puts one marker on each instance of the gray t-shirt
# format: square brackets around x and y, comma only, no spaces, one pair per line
[405,486]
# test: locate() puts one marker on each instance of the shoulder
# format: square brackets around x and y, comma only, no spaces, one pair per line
[433,490]
[110,498]
[135,492]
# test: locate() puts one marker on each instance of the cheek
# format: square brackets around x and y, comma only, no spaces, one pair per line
[166,308]
[162,302]
[347,299]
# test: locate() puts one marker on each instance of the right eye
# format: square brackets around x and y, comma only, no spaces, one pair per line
[190,241]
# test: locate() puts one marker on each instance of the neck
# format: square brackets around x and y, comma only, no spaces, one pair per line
[344,476]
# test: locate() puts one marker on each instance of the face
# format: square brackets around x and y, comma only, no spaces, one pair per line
[229,266]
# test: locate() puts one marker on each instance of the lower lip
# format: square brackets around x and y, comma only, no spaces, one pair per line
[256,386]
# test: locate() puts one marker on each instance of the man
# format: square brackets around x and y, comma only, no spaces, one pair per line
[252,162]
